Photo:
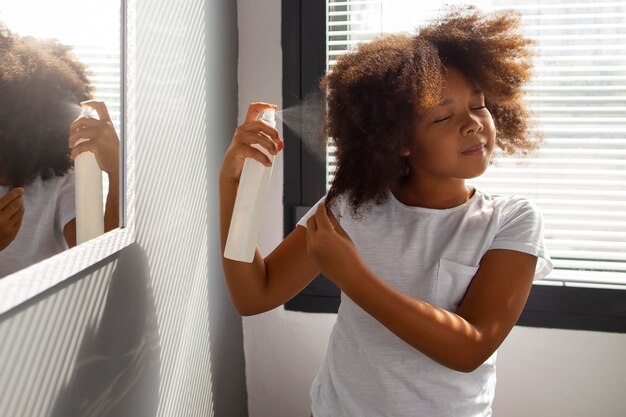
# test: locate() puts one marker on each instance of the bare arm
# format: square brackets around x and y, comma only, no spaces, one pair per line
[460,340]
[69,231]
[265,283]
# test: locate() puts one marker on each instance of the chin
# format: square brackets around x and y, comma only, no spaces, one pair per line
[474,173]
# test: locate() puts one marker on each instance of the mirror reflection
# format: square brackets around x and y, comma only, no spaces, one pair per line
[59,127]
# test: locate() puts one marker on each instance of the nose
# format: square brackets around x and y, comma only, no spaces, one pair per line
[472,125]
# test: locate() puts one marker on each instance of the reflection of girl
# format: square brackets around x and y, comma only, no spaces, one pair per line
[433,273]
[41,86]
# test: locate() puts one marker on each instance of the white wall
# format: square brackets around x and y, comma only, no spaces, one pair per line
[541,372]
[130,337]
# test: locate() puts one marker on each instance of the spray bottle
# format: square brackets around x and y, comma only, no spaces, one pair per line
[245,223]
[89,210]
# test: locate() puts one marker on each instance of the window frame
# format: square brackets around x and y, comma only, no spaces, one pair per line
[304,63]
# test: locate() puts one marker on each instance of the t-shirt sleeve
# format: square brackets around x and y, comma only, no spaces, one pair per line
[66,201]
[522,230]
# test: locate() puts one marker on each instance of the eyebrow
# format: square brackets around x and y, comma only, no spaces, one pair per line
[447,101]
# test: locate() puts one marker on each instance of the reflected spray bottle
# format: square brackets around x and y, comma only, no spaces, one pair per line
[245,223]
[89,210]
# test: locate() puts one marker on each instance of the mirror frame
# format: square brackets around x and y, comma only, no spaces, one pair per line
[27,283]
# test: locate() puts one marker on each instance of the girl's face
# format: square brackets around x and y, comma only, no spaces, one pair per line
[456,138]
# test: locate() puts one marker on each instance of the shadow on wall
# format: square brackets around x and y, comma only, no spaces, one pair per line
[116,373]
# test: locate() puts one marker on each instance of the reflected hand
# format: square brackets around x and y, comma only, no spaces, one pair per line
[330,247]
[11,214]
[251,132]
[103,140]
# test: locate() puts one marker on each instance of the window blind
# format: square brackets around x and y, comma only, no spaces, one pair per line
[578,100]
[104,65]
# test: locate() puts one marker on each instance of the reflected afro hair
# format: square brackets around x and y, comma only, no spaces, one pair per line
[41,86]
[374,94]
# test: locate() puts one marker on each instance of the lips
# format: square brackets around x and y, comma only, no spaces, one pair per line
[475,150]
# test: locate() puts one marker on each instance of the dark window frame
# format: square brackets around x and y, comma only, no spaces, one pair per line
[304,63]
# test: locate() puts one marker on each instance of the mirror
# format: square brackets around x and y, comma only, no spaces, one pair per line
[51,60]
[100,39]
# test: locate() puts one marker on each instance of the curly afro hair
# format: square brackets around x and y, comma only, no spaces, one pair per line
[41,86]
[374,94]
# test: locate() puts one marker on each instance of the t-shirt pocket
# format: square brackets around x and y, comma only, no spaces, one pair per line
[452,281]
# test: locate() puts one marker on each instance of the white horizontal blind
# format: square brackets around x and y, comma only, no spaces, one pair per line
[578,97]
[348,24]
[104,63]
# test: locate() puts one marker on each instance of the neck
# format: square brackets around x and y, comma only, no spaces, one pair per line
[4,181]
[441,194]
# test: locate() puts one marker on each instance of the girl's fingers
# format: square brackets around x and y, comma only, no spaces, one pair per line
[248,139]
[325,219]
[261,126]
[250,152]
[321,218]
[16,227]
[84,122]
[82,147]
[253,139]
[100,107]
[13,208]
[333,220]
[9,197]
[17,217]
[106,153]
[86,133]
[264,141]
[272,133]
[311,226]
[254,109]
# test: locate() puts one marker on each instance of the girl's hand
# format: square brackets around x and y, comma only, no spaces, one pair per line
[251,132]
[11,214]
[330,247]
[103,140]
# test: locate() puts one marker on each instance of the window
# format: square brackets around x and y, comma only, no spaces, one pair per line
[578,178]
[98,47]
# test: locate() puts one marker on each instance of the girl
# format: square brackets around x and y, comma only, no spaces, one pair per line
[433,273]
[41,86]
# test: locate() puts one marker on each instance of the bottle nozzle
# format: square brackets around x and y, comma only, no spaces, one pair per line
[88,111]
[269,115]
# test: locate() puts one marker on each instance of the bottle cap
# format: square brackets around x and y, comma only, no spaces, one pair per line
[269,116]
[88,111]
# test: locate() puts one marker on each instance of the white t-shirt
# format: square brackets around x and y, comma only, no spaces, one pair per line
[431,255]
[48,206]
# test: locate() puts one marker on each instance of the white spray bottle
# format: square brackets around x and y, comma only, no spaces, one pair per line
[245,223]
[89,210]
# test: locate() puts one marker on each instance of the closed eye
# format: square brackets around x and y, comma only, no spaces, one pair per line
[442,119]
